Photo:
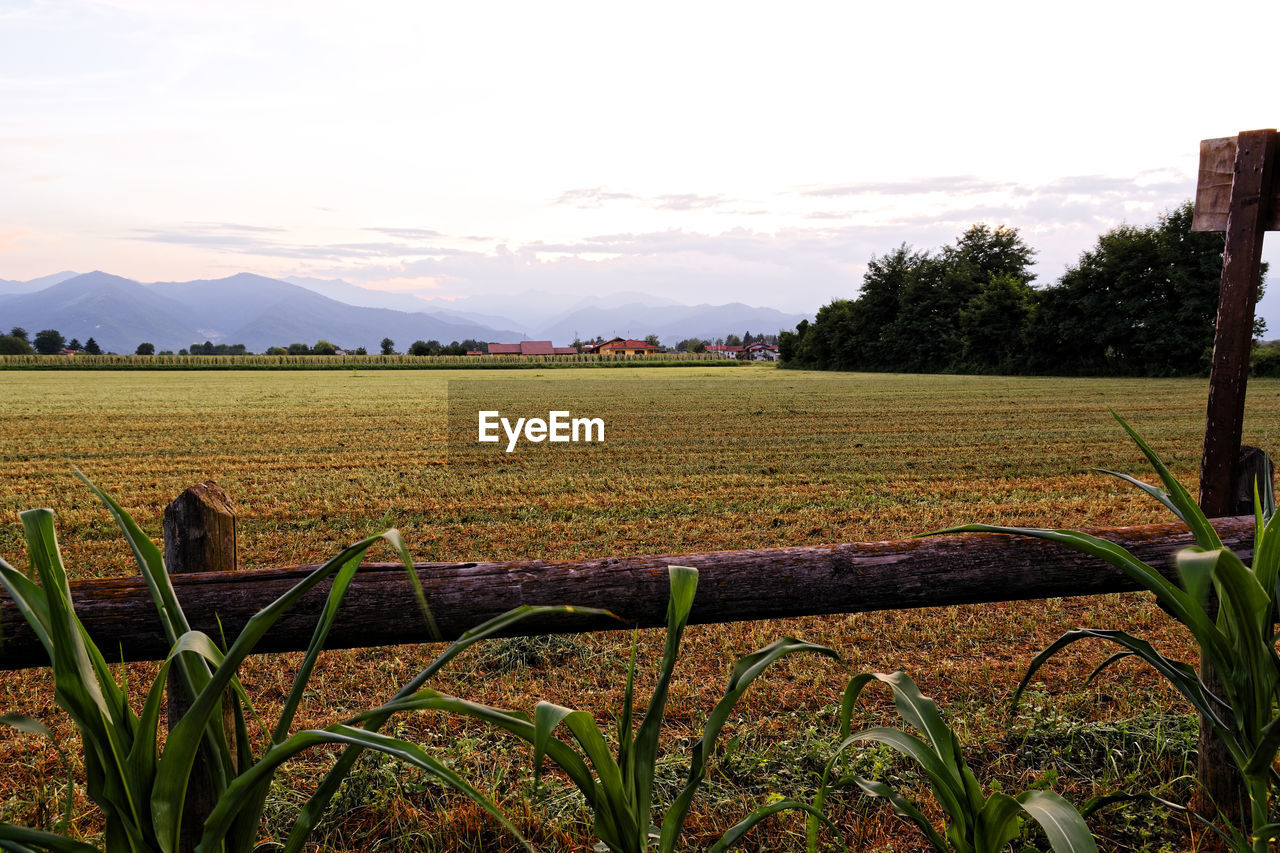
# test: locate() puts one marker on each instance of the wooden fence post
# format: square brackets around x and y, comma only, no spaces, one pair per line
[1248,216]
[199,536]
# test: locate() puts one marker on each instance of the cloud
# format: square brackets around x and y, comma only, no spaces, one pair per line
[815,247]
[967,184]
[259,241]
[408,233]
[688,201]
[591,197]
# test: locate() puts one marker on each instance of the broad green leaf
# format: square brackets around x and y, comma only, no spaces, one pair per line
[903,808]
[1067,831]
[243,786]
[25,838]
[997,824]
[1185,507]
[736,832]
[373,720]
[746,670]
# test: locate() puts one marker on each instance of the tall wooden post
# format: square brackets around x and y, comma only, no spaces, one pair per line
[199,536]
[1248,215]
[1235,194]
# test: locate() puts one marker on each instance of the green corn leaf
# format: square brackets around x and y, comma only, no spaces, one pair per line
[23,838]
[31,602]
[736,832]
[851,693]
[1266,547]
[341,582]
[244,785]
[684,585]
[1159,494]
[1177,601]
[921,713]
[1181,676]
[546,717]
[998,823]
[84,686]
[1264,751]
[620,803]
[903,808]
[952,801]
[1105,665]
[1066,830]
[192,675]
[746,670]
[1183,504]
[514,722]
[373,720]
[184,740]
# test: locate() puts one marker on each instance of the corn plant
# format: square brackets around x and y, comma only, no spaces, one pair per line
[140,789]
[1239,643]
[619,789]
[975,822]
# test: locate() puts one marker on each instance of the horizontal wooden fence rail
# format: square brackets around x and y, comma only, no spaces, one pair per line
[773,583]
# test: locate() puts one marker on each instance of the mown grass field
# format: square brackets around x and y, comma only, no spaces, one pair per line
[700,459]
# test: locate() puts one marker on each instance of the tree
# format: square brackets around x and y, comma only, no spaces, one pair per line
[653,340]
[19,333]
[692,345]
[145,348]
[299,349]
[1143,301]
[74,345]
[49,342]
[733,341]
[323,347]
[361,351]
[388,346]
[994,324]
[431,347]
[91,347]
[14,345]
[277,351]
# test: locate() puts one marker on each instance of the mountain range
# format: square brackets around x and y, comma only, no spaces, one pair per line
[261,312]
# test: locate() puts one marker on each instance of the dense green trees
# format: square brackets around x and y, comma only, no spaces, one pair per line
[1143,302]
[49,342]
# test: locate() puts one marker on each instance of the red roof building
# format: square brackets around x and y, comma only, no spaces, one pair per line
[524,348]
[625,346]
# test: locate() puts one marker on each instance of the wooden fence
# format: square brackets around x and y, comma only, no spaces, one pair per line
[734,585]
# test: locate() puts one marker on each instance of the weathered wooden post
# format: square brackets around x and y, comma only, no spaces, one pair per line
[199,536]
[1236,194]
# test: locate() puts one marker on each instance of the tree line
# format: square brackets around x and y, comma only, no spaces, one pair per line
[1142,302]
[46,342]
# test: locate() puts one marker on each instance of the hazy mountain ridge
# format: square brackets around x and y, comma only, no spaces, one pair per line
[261,312]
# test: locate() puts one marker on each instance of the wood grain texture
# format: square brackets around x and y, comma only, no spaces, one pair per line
[1213,189]
[199,537]
[734,586]
[1241,271]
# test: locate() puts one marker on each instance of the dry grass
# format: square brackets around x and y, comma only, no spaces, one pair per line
[705,460]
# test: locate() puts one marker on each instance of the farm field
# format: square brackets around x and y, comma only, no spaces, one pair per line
[697,459]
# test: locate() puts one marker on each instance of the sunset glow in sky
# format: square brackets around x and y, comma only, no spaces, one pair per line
[698,151]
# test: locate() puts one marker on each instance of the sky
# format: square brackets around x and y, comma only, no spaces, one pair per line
[697,151]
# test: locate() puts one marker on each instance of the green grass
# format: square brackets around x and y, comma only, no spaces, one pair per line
[752,457]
